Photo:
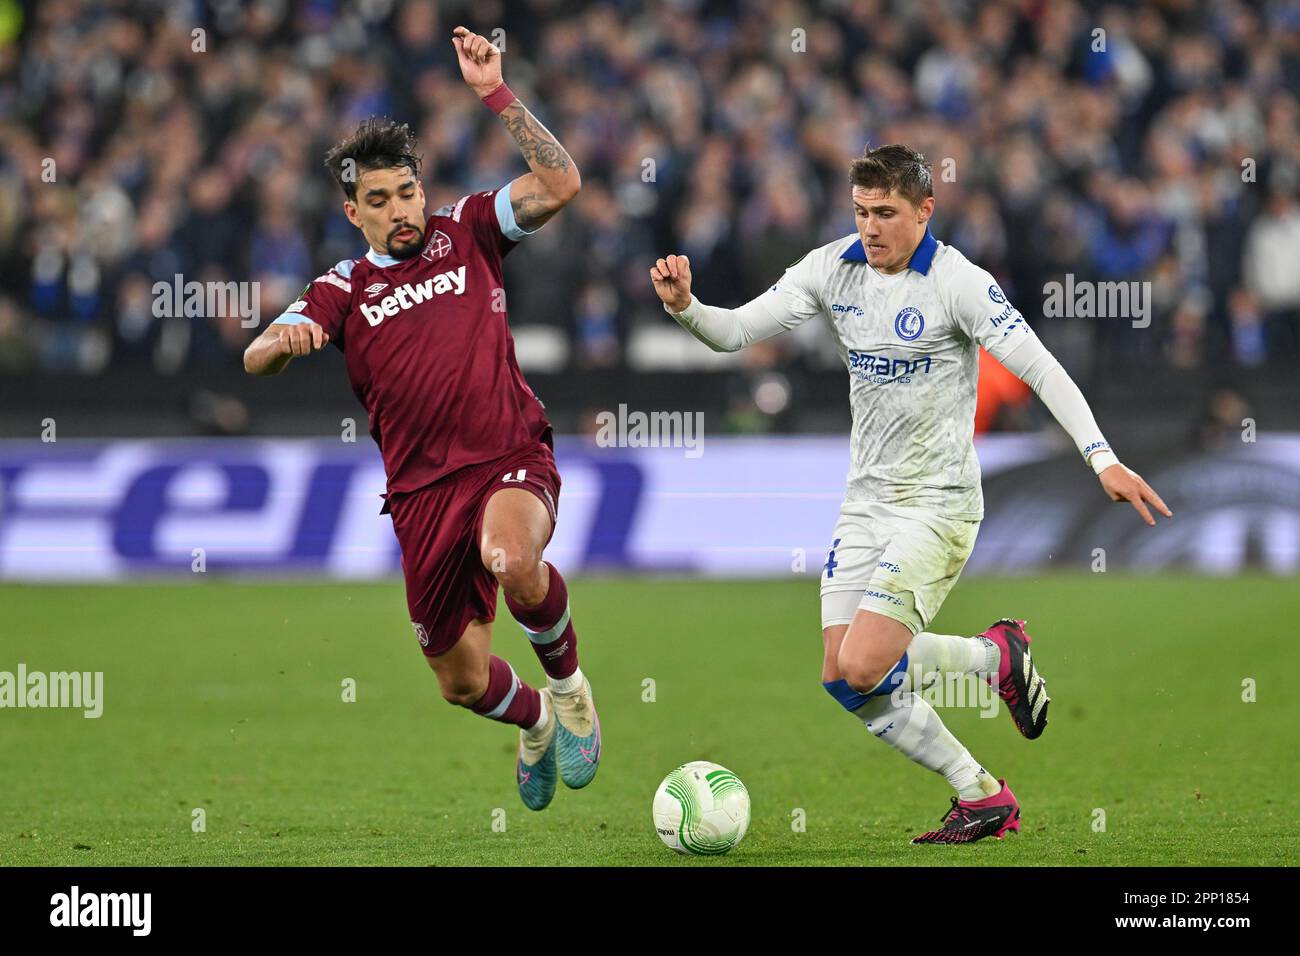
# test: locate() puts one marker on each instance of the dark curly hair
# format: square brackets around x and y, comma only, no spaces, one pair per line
[378,143]
[895,167]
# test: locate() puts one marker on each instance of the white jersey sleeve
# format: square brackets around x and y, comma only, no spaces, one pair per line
[800,287]
[982,312]
[792,301]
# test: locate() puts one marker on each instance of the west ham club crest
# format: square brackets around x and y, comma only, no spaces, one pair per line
[439,245]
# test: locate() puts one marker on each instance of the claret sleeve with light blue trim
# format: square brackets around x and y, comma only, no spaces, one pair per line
[506,216]
[325,300]
[490,216]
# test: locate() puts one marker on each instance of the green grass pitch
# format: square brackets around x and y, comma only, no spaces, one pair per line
[228,697]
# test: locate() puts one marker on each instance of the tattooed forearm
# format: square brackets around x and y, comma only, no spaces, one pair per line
[539,147]
[553,178]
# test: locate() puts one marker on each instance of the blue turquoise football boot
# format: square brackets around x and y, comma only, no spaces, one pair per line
[535,763]
[577,738]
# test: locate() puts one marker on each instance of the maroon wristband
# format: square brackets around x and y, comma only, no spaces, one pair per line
[499,98]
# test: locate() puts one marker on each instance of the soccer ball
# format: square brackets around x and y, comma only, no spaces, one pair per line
[701,808]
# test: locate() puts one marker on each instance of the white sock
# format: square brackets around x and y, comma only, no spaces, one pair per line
[542,714]
[913,728]
[566,685]
[950,654]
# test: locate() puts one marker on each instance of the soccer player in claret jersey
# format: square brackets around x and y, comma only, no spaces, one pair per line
[467,448]
[907,314]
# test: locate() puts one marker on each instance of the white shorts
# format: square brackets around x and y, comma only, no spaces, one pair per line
[896,561]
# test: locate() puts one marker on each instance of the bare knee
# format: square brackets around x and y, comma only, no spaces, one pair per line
[862,676]
[463,690]
[864,672]
[515,562]
[872,649]
[461,685]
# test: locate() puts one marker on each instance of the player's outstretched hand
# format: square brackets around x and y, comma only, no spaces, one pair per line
[672,280]
[480,61]
[301,338]
[1124,484]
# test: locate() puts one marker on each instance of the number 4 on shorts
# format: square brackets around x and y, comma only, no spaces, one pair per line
[831,563]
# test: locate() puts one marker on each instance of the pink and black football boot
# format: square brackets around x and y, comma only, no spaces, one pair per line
[1019,683]
[970,820]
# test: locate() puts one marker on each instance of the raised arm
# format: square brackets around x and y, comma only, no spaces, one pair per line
[537,195]
[723,330]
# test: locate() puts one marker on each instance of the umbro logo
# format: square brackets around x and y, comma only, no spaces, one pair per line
[374,290]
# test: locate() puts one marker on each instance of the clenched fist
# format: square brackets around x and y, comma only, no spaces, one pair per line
[301,338]
[479,59]
[271,351]
[672,281]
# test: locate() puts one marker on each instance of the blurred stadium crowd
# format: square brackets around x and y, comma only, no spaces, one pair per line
[718,130]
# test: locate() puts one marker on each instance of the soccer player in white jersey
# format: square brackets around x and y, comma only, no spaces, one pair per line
[908,313]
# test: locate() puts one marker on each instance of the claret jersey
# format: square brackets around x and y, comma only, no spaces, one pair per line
[427,345]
